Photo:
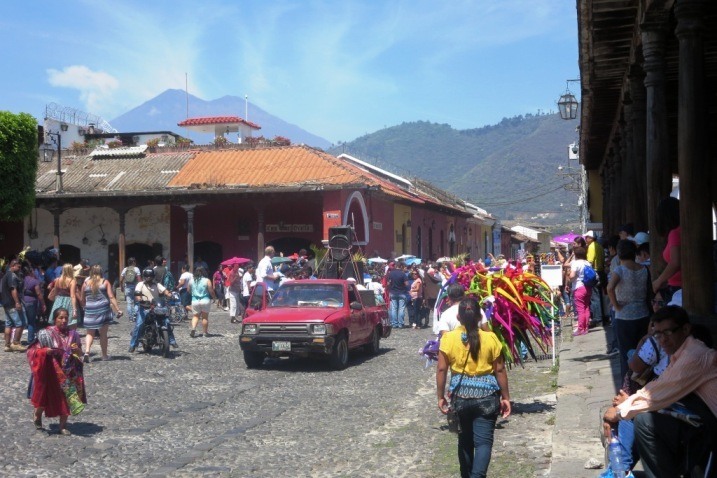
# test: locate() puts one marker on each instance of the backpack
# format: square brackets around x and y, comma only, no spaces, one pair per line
[130,275]
[590,277]
[168,281]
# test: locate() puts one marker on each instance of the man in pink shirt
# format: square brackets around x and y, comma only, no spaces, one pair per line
[690,378]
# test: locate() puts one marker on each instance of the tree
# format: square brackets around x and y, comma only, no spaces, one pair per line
[18,164]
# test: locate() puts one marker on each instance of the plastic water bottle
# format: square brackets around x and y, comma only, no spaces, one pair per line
[617,465]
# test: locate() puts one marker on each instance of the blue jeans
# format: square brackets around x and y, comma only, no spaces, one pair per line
[139,328]
[31,315]
[398,308]
[131,303]
[626,434]
[475,442]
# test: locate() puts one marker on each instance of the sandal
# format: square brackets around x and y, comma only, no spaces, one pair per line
[37,422]
[65,432]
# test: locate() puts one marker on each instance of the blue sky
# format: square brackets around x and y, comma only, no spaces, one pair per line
[339,69]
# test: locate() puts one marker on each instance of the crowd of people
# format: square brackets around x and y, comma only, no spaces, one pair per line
[663,358]
[665,412]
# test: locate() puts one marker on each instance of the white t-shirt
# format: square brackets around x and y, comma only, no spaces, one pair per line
[577,266]
[264,269]
[246,281]
[186,277]
[137,277]
[449,320]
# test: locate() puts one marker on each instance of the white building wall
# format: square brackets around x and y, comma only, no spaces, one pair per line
[146,224]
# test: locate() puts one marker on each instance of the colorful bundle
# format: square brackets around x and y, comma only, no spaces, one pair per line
[518,305]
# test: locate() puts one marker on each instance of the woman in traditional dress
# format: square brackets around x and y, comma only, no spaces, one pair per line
[63,294]
[479,387]
[57,386]
[98,300]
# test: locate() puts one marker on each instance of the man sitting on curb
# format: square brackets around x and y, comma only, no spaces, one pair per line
[691,378]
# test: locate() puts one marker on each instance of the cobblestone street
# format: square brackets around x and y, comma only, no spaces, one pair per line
[203,413]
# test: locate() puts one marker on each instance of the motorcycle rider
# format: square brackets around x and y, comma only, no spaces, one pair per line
[147,292]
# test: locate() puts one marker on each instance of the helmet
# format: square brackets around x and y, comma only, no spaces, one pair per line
[148,273]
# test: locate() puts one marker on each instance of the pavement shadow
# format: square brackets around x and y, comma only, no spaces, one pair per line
[83,429]
[592,358]
[519,408]
[321,364]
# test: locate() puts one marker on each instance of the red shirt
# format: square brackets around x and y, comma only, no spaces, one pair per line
[674,239]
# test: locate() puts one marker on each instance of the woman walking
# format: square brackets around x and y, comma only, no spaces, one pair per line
[581,292]
[63,295]
[57,386]
[478,388]
[97,299]
[202,292]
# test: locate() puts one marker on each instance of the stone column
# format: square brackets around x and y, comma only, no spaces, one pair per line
[617,201]
[190,234]
[121,253]
[260,233]
[629,176]
[693,165]
[658,170]
[638,123]
[56,213]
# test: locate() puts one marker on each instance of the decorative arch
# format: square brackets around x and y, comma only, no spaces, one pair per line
[356,206]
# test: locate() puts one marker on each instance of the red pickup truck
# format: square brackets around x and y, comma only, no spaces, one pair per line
[325,317]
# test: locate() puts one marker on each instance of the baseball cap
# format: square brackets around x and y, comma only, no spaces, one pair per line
[676,298]
[641,238]
[590,234]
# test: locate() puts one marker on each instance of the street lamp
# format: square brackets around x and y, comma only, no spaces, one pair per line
[568,104]
[57,139]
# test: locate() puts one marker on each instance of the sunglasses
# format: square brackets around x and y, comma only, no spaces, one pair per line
[658,303]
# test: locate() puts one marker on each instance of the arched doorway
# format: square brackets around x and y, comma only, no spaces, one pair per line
[141,252]
[210,252]
[69,253]
[355,215]
[430,244]
[419,242]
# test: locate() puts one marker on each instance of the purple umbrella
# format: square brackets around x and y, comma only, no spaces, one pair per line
[566,238]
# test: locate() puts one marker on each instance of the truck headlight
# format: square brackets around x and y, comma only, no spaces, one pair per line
[321,329]
[250,329]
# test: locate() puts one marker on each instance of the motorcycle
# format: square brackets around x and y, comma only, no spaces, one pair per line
[156,329]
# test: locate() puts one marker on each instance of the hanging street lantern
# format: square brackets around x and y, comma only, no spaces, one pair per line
[568,106]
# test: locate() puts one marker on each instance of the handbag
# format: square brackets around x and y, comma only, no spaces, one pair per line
[454,424]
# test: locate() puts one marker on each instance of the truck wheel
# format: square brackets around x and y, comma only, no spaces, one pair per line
[375,344]
[253,359]
[339,357]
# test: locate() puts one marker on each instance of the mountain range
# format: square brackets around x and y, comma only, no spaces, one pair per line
[517,169]
[163,112]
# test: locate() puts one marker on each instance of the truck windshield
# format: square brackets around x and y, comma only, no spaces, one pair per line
[308,295]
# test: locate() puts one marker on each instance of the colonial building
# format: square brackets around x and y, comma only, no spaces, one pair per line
[649,113]
[232,201]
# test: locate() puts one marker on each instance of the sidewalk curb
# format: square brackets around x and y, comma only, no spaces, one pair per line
[587,381]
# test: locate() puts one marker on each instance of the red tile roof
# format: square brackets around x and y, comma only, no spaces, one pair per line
[288,166]
[217,120]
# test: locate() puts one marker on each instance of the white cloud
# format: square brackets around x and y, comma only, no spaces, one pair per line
[95,87]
